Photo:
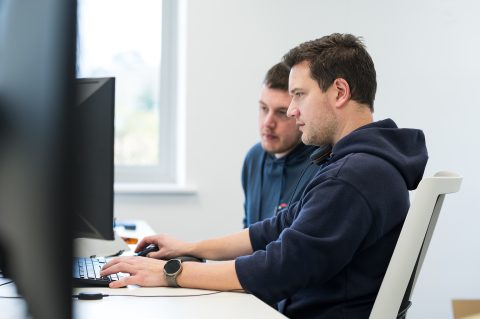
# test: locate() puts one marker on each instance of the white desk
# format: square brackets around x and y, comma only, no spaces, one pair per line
[220,305]
[223,305]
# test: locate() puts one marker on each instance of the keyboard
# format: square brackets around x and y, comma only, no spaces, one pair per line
[86,272]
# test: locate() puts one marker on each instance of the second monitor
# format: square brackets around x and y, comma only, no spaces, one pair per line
[94,163]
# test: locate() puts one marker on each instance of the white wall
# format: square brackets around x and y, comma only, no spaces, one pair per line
[426,56]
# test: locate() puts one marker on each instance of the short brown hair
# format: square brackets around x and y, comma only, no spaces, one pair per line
[338,56]
[277,77]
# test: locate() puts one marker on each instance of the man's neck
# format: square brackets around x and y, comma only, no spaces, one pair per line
[354,118]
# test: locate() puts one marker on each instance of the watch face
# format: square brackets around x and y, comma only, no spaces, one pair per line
[172,266]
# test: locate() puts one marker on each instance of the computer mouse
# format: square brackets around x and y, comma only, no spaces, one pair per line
[153,247]
[191,258]
[146,250]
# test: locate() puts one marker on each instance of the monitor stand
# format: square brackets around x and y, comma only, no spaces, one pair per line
[86,247]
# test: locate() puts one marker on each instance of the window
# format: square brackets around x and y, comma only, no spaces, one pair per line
[135,42]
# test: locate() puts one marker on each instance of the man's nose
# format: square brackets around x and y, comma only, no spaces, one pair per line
[292,110]
[269,120]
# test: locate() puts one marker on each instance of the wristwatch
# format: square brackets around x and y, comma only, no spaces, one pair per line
[171,270]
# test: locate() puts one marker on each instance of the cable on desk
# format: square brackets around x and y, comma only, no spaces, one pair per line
[97,296]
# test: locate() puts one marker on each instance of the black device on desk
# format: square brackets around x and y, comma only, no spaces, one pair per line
[151,248]
[37,63]
[147,250]
[94,173]
[86,272]
[93,140]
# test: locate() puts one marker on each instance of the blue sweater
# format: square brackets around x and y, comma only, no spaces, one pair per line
[325,256]
[269,183]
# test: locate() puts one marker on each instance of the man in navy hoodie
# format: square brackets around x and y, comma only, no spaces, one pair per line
[276,170]
[325,256]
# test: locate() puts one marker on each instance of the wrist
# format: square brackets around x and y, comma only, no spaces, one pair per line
[192,249]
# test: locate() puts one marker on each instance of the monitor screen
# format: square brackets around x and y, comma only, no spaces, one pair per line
[94,164]
[37,73]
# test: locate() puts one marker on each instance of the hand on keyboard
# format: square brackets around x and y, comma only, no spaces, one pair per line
[143,271]
[86,272]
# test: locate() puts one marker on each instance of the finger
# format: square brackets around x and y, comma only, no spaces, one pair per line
[117,260]
[141,245]
[144,243]
[155,254]
[119,267]
[112,262]
[128,280]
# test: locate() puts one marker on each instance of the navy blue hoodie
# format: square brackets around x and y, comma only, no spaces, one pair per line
[326,255]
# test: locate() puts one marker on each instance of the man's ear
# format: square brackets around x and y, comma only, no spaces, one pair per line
[342,90]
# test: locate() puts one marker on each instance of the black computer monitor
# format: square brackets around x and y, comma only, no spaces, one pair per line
[94,165]
[37,73]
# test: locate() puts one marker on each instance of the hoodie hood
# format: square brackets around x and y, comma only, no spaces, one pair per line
[405,149]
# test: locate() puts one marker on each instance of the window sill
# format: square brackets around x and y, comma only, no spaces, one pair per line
[154,189]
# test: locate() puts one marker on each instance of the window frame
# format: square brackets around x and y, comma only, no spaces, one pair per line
[165,176]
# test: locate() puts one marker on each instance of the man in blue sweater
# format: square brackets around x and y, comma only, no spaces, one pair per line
[277,169]
[326,255]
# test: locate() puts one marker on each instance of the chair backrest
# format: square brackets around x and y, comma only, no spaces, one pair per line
[412,244]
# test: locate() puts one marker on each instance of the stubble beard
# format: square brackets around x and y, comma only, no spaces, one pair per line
[322,135]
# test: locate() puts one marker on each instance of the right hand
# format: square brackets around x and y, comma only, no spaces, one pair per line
[168,246]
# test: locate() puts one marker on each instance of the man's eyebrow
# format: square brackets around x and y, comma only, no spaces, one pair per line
[262,103]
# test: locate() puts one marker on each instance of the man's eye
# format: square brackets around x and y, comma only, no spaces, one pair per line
[282,115]
[298,94]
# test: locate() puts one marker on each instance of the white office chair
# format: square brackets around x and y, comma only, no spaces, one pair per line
[393,297]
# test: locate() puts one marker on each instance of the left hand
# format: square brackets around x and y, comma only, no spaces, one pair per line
[146,272]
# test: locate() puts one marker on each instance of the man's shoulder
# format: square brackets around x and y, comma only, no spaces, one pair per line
[255,152]
[366,162]
[252,164]
[361,167]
